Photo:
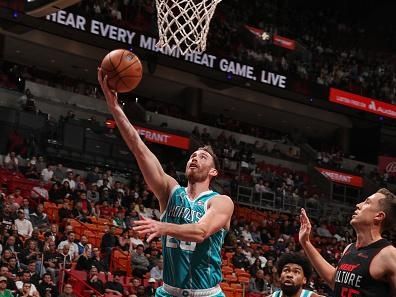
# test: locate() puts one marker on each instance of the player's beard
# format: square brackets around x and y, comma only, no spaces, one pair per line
[196,176]
[289,290]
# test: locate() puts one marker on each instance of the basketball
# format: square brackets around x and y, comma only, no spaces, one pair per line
[123,69]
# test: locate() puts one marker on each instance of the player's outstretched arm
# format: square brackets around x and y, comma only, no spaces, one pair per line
[158,181]
[325,270]
[388,262]
[218,216]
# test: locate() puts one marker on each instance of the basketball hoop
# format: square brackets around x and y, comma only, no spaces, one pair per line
[184,23]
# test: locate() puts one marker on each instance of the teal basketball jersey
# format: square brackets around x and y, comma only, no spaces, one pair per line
[190,265]
[304,293]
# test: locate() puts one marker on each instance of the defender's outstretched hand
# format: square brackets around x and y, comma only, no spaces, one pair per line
[305,227]
[110,95]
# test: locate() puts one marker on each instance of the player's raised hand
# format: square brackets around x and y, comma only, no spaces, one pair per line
[305,227]
[150,227]
[110,95]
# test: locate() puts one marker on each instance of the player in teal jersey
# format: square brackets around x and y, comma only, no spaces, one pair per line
[294,271]
[194,219]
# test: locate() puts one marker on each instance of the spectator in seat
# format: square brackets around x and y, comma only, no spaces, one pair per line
[17,196]
[133,286]
[40,192]
[73,248]
[94,281]
[67,291]
[109,241]
[131,217]
[134,240]
[119,220]
[5,257]
[93,176]
[157,271]
[12,245]
[70,179]
[78,212]
[66,191]
[323,231]
[115,285]
[123,240]
[55,194]
[39,219]
[23,280]
[47,287]
[13,266]
[105,209]
[4,292]
[150,289]
[23,225]
[65,257]
[52,260]
[11,202]
[65,212]
[82,244]
[11,162]
[59,173]
[260,187]
[256,266]
[26,208]
[80,185]
[47,173]
[93,194]
[10,277]
[84,261]
[31,171]
[239,260]
[139,262]
[247,236]
[26,290]
[86,205]
[255,233]
[31,253]
[153,257]
[258,286]
[97,261]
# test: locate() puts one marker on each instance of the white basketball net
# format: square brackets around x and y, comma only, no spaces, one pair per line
[184,23]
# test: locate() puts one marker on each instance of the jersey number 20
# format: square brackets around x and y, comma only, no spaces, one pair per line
[184,245]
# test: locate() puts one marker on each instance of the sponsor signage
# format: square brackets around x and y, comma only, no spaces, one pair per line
[164,138]
[148,43]
[387,164]
[341,177]
[284,42]
[362,103]
[258,33]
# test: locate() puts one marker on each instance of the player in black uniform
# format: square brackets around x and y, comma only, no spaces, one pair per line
[368,266]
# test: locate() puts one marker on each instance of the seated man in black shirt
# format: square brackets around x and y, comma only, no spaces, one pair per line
[94,281]
[46,287]
[115,286]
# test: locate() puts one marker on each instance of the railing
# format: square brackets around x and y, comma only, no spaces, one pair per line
[80,286]
[269,200]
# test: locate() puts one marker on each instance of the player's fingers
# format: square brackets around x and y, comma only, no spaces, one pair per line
[152,236]
[304,215]
[141,228]
[141,222]
[142,232]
